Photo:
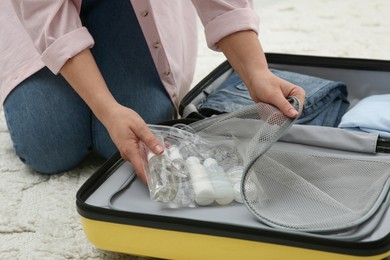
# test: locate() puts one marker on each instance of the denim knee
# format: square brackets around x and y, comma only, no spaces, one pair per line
[54,161]
[49,124]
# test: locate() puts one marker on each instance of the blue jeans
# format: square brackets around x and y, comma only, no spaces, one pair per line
[51,127]
[230,96]
[325,102]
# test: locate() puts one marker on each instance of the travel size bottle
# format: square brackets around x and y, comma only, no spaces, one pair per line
[235,175]
[185,193]
[223,189]
[160,179]
[204,192]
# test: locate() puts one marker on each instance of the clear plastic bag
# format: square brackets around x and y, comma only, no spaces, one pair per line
[192,171]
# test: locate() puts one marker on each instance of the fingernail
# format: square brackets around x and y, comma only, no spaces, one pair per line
[292,112]
[158,149]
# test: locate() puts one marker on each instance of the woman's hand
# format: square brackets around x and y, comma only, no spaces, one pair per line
[245,54]
[127,129]
[268,88]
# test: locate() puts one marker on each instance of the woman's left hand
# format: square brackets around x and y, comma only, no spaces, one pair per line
[268,88]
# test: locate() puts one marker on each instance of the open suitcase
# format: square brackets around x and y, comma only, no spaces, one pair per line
[118,215]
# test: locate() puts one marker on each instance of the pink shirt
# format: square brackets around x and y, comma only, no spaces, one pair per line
[169,27]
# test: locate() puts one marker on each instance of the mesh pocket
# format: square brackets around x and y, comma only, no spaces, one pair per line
[254,128]
[298,191]
[314,193]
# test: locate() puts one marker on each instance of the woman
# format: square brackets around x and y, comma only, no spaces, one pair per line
[104,68]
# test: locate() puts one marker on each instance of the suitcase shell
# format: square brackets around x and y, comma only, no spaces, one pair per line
[224,232]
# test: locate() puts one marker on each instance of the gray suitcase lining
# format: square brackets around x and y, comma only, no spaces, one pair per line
[136,199]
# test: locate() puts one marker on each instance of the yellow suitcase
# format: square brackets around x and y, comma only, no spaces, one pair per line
[118,215]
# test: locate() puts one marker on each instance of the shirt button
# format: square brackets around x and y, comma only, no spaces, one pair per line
[167,73]
[145,13]
[156,45]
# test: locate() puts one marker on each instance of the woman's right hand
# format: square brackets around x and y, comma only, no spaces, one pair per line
[126,129]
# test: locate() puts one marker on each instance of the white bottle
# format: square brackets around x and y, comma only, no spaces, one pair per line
[185,193]
[235,174]
[160,179]
[204,192]
[223,189]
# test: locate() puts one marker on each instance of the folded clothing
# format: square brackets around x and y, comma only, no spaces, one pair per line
[369,115]
[325,102]
[230,96]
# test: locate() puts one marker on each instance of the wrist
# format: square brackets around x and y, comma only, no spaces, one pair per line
[106,110]
[255,78]
[250,62]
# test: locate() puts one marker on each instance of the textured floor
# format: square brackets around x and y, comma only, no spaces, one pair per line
[38,217]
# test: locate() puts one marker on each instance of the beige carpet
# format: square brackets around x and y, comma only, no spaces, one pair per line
[38,217]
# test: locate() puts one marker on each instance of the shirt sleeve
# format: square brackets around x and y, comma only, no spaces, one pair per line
[221,18]
[55,29]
